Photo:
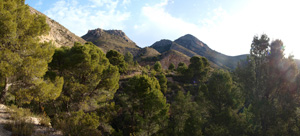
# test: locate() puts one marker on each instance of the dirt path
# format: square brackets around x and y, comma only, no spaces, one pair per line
[39,130]
[4,118]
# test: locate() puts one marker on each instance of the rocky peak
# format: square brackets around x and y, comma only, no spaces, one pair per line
[190,40]
[96,33]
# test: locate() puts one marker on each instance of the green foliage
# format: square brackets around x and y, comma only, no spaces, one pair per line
[78,124]
[128,57]
[171,67]
[198,69]
[221,105]
[90,80]
[147,67]
[157,66]
[144,107]
[24,61]
[153,73]
[182,68]
[185,118]
[163,82]
[269,85]
[117,59]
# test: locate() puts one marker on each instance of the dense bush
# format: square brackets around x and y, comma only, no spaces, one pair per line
[78,124]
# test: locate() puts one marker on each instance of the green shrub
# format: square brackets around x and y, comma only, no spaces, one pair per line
[78,124]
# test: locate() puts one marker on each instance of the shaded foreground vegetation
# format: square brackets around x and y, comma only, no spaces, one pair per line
[80,90]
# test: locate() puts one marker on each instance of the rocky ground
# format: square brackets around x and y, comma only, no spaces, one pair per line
[39,130]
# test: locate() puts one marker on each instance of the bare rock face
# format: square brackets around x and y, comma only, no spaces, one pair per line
[58,34]
[120,34]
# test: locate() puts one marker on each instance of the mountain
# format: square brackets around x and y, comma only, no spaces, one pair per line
[164,50]
[111,40]
[191,46]
[58,34]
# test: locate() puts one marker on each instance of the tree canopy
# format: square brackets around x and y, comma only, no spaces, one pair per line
[24,60]
[90,80]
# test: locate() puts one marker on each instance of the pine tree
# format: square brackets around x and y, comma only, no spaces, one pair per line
[90,80]
[185,117]
[157,66]
[171,67]
[144,107]
[117,59]
[269,84]
[182,68]
[198,69]
[221,105]
[163,82]
[24,60]
[128,57]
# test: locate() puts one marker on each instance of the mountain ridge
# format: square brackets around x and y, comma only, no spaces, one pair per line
[192,46]
[58,34]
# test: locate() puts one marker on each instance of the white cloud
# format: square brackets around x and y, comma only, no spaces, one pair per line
[158,24]
[80,18]
[126,2]
[278,19]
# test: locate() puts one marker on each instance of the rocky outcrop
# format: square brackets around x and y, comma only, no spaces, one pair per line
[111,40]
[58,34]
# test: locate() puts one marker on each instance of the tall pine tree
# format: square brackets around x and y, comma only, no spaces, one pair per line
[23,59]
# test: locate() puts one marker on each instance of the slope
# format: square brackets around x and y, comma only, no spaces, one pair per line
[58,34]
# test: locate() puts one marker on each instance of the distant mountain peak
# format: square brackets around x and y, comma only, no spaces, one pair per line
[190,41]
[188,36]
[99,32]
[163,42]
[111,40]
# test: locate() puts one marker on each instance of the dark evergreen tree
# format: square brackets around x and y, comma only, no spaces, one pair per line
[269,83]
[157,66]
[198,69]
[128,57]
[163,82]
[182,68]
[90,80]
[171,67]
[144,108]
[23,59]
[117,59]
[185,118]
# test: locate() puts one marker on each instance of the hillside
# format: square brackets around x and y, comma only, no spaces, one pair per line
[147,52]
[191,46]
[175,57]
[111,40]
[58,34]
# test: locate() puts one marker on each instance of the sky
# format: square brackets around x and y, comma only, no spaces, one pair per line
[227,26]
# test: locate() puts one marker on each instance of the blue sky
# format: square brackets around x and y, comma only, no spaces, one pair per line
[227,26]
